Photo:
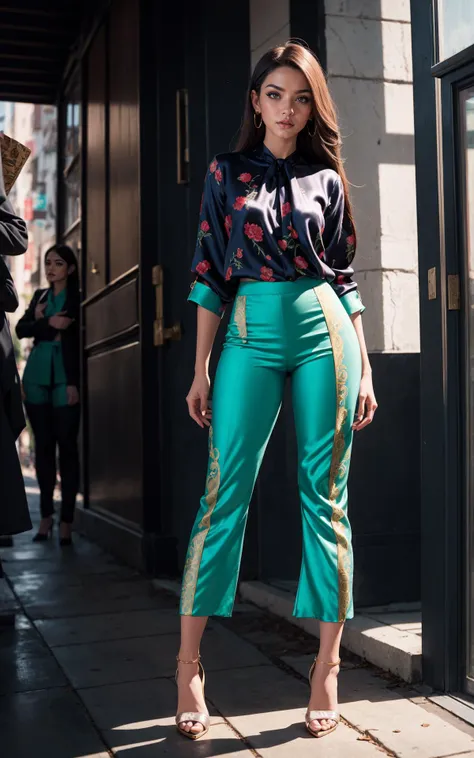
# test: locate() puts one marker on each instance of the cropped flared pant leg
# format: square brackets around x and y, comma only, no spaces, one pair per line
[276,328]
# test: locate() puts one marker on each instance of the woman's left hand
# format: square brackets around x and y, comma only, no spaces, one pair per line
[72,395]
[367,403]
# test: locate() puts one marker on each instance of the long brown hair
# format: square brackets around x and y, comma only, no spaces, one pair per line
[325,146]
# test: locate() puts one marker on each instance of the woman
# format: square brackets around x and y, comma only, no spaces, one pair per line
[276,236]
[50,385]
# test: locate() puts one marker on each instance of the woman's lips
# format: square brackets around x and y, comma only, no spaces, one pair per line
[285,124]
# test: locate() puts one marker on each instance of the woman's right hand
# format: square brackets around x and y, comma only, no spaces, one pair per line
[60,321]
[198,400]
[39,311]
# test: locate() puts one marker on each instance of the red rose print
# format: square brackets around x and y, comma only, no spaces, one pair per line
[268,257]
[266,274]
[239,252]
[285,209]
[254,232]
[351,240]
[322,254]
[245,178]
[300,262]
[239,203]
[205,226]
[340,279]
[293,233]
[213,166]
[282,244]
[218,175]
[228,273]
[202,267]
[321,231]
[228,224]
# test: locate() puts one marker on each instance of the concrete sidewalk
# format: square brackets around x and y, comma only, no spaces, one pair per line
[86,671]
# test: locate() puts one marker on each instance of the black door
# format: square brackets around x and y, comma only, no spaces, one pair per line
[112,309]
[456,142]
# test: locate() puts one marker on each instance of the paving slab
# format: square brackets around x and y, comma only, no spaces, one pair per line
[47,724]
[108,626]
[267,707]
[142,718]
[374,704]
[25,549]
[142,658]
[36,583]
[8,601]
[26,663]
[397,722]
[385,646]
[49,602]
[57,564]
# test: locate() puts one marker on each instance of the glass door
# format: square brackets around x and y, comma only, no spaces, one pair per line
[466,156]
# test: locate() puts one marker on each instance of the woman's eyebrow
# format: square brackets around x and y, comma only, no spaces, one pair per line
[282,89]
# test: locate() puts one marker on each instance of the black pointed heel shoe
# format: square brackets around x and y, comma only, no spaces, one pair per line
[43,536]
[65,541]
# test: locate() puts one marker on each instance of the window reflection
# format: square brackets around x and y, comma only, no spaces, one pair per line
[456,26]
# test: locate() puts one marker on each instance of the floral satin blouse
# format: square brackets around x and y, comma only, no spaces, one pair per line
[273,220]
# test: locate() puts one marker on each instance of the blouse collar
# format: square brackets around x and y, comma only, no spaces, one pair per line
[262,154]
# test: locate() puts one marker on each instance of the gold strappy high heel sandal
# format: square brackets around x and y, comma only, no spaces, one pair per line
[197,718]
[318,715]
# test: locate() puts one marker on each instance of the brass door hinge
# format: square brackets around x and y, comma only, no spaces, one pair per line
[454,293]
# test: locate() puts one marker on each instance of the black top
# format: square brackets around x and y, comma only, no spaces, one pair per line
[29,326]
[274,220]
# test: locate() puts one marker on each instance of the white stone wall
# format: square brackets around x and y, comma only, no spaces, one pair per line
[269,26]
[370,77]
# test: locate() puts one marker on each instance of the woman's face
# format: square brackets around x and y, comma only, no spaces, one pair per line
[285,102]
[56,269]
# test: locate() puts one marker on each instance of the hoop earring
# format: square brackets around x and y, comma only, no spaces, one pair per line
[257,126]
[314,130]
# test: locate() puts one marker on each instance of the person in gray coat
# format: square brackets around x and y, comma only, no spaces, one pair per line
[14,514]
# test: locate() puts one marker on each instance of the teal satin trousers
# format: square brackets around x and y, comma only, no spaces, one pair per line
[278,328]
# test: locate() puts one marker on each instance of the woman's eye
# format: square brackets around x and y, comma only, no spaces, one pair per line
[303,99]
[273,95]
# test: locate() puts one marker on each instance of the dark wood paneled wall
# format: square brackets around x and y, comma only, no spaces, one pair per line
[111,314]
[96,165]
[114,434]
[124,136]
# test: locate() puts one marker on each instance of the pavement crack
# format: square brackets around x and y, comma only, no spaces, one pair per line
[235,731]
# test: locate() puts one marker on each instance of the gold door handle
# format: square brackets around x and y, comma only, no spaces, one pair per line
[160,333]
[94,268]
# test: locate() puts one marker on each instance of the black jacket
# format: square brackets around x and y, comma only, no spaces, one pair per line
[14,516]
[40,330]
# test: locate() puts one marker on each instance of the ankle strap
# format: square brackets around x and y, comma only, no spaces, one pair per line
[328,663]
[196,660]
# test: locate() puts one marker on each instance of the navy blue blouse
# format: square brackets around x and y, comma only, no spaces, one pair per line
[274,220]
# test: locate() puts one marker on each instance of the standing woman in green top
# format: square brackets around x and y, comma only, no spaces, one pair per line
[51,386]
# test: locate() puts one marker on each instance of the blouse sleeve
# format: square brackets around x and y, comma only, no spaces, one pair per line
[340,246]
[210,288]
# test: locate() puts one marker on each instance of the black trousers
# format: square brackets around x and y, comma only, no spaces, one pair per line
[56,427]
